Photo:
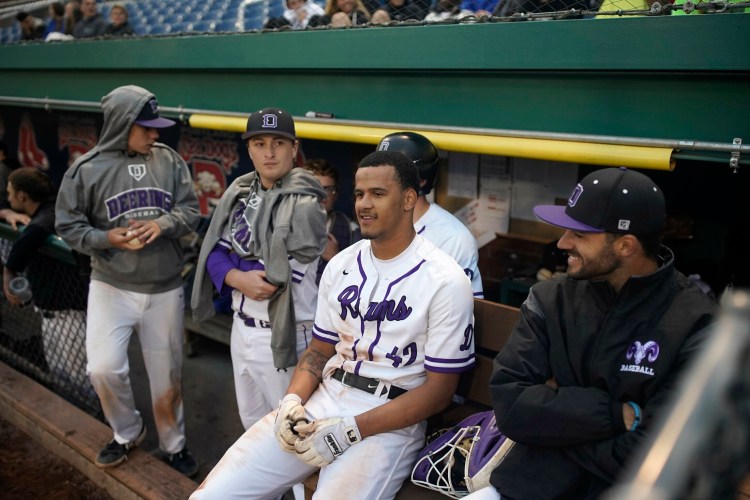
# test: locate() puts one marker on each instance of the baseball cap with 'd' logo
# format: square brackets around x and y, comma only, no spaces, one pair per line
[149,116]
[614,200]
[270,121]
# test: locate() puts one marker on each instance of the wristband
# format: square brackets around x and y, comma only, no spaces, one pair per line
[637,420]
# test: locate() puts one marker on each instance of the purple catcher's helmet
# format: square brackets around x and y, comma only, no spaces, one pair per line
[461,459]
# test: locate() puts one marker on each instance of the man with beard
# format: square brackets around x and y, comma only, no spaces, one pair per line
[596,353]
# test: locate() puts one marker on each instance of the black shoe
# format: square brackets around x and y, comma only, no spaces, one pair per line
[114,453]
[184,463]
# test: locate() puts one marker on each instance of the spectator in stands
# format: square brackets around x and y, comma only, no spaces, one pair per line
[92,24]
[398,10]
[342,13]
[342,231]
[443,10]
[479,8]
[7,166]
[32,28]
[595,354]
[297,15]
[31,192]
[119,22]
[56,22]
[72,16]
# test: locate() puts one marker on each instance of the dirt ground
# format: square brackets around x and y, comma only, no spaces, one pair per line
[29,471]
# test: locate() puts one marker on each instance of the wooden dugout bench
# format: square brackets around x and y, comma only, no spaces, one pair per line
[493,324]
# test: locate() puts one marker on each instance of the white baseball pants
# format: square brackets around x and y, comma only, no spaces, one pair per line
[113,316]
[258,385]
[256,467]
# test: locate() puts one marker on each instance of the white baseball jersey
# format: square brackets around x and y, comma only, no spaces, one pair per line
[449,234]
[392,320]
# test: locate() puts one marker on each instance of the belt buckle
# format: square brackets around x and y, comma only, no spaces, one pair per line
[343,378]
[264,324]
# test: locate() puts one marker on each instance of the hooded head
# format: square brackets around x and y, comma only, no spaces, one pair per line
[122,108]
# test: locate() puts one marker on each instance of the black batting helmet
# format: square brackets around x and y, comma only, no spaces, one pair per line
[418,149]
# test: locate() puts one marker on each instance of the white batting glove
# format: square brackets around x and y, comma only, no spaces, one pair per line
[290,413]
[326,440]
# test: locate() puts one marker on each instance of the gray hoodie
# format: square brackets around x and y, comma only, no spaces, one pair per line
[108,186]
[292,223]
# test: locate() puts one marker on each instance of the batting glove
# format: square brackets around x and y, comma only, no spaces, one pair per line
[290,413]
[326,440]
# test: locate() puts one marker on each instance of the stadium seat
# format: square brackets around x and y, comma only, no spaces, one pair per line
[173,18]
[160,29]
[192,17]
[226,25]
[255,15]
[203,26]
[214,15]
[276,8]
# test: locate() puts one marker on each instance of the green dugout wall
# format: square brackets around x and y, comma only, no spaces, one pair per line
[683,77]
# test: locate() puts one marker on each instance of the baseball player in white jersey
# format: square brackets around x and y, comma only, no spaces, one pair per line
[433,222]
[393,331]
[262,248]
[126,203]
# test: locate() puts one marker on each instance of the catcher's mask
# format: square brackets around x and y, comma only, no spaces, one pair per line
[461,459]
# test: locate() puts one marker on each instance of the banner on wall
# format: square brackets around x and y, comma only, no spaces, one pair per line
[52,142]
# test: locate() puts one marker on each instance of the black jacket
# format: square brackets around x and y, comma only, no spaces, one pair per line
[56,285]
[603,349]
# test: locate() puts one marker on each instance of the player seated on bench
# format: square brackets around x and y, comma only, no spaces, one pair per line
[596,353]
[393,331]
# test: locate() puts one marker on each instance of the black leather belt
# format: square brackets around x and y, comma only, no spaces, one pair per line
[366,384]
[252,322]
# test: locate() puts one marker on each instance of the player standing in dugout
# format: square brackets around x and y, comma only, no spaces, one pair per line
[262,250]
[126,203]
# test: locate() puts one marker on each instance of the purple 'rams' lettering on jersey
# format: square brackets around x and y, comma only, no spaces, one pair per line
[393,320]
[138,199]
[347,299]
[387,309]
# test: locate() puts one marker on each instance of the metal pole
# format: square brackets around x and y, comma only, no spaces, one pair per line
[183,113]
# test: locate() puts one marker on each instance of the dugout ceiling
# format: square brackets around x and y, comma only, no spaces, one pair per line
[684,78]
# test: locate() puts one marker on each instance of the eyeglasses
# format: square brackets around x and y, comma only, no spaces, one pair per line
[330,189]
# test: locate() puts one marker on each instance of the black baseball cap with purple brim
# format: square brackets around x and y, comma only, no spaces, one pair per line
[613,200]
[149,116]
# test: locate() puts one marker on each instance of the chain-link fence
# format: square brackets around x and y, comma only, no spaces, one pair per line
[45,339]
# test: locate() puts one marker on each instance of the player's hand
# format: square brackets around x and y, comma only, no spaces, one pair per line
[326,440]
[331,249]
[290,413]
[120,237]
[252,284]
[145,230]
